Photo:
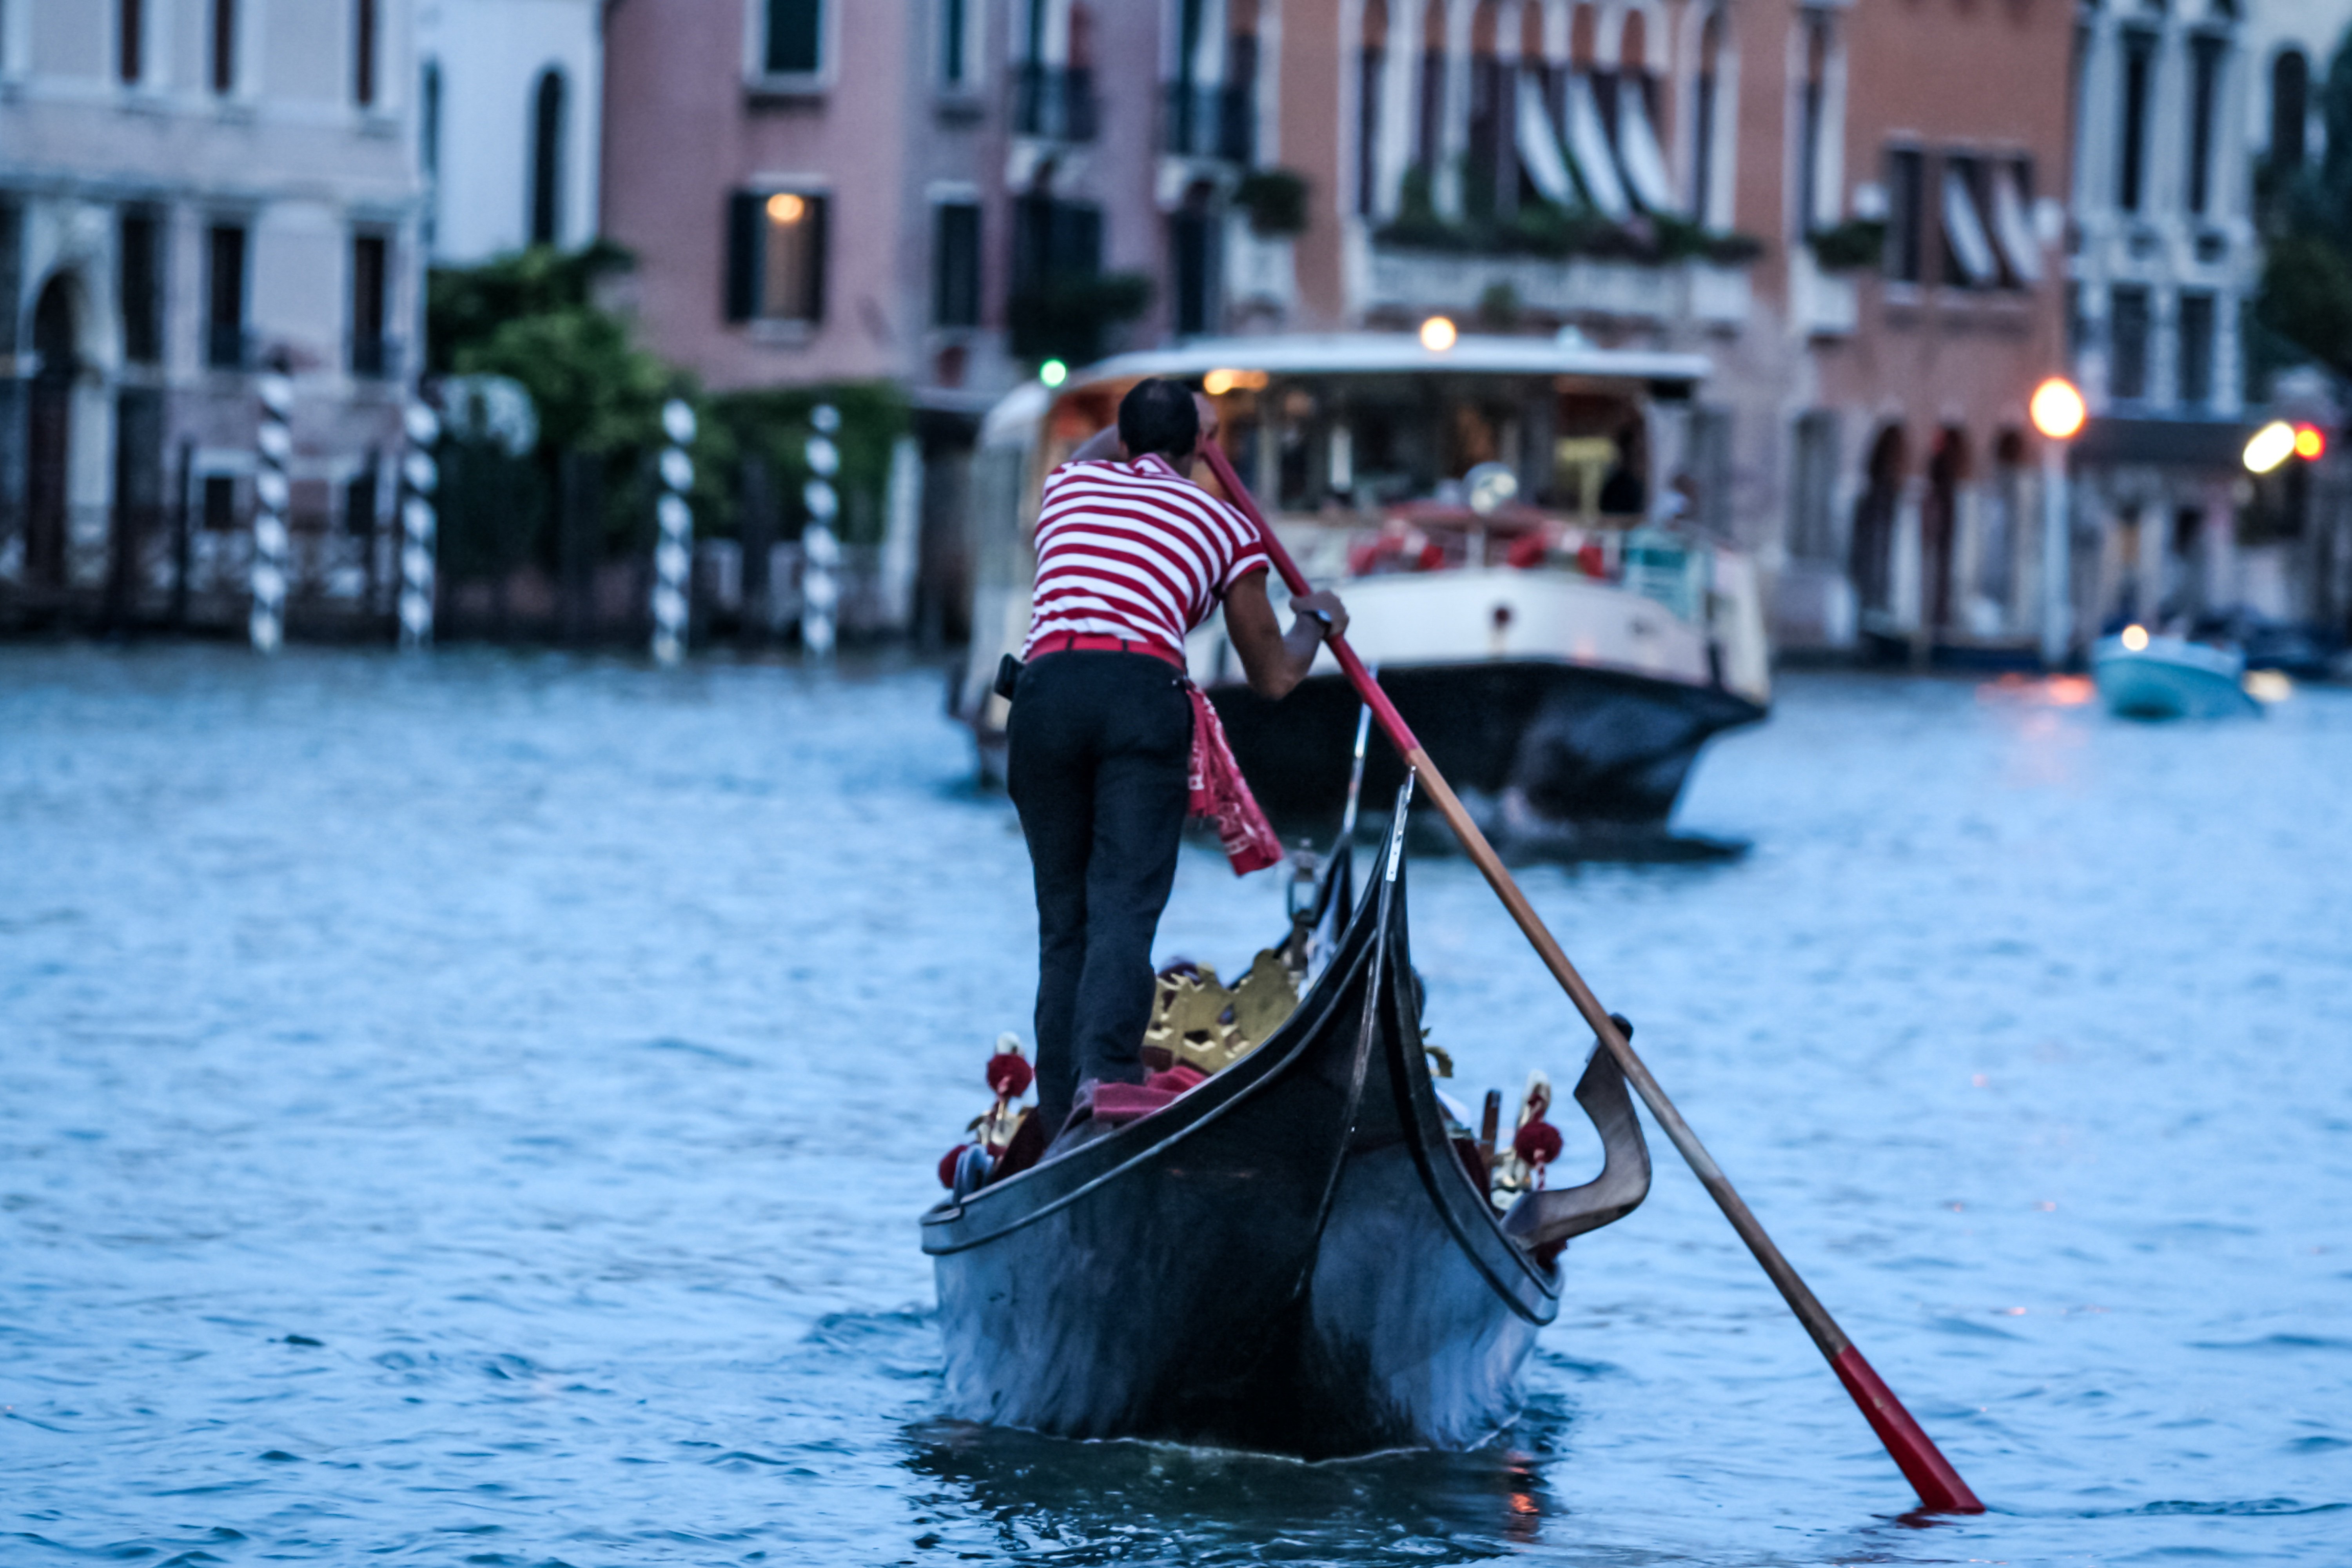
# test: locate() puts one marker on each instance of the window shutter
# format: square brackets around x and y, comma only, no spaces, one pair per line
[820,210]
[742,256]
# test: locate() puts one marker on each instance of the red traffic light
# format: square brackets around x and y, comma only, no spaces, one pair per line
[2310,442]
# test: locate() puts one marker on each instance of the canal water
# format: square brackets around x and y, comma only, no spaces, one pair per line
[474,1111]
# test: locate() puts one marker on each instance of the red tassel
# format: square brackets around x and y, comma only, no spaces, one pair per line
[1010,1075]
[948,1165]
[1538,1144]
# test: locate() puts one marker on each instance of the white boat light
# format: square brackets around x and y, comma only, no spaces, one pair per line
[2269,685]
[2272,444]
[1437,334]
[2136,638]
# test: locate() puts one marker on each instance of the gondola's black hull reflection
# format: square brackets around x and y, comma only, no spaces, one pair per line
[1290,1258]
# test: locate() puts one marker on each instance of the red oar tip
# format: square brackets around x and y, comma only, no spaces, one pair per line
[1923,1464]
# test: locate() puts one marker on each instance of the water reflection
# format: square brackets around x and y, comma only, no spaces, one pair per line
[1049,1501]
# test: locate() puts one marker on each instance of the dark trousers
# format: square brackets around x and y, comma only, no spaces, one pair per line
[1100,744]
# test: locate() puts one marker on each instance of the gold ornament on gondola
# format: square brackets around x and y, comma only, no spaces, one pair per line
[1207,1024]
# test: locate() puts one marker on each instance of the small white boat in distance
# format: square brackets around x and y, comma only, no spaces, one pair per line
[2142,676]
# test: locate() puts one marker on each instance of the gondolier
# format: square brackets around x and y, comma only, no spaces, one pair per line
[1105,729]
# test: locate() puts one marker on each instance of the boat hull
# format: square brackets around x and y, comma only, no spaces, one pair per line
[1582,744]
[2169,679]
[1289,1259]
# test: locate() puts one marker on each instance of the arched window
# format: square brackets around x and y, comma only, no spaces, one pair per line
[547,159]
[2290,108]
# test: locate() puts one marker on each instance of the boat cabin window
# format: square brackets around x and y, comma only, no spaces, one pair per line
[1360,450]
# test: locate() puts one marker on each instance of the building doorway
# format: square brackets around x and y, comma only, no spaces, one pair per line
[1939,518]
[48,444]
[1874,521]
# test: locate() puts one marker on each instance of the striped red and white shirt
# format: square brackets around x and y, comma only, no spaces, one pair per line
[1134,550]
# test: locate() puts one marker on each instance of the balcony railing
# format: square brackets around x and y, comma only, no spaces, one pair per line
[1055,102]
[1212,122]
[1411,282]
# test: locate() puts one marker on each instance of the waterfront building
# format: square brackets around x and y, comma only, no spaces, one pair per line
[2290,558]
[192,191]
[940,194]
[1924,219]
[2165,258]
[510,107]
[1825,199]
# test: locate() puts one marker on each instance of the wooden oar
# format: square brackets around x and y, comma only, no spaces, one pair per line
[1931,1474]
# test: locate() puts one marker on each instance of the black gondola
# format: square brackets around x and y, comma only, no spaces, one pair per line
[1293,1256]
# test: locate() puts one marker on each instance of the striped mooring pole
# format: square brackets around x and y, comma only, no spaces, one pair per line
[275,441]
[420,477]
[820,551]
[674,556]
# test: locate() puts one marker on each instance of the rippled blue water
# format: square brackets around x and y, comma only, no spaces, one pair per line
[475,1112]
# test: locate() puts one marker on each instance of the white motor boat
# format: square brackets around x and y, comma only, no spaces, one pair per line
[2143,674]
[1559,643]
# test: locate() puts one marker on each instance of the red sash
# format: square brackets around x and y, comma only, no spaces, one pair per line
[1220,795]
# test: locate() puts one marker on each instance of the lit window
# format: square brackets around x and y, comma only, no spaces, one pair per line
[776,257]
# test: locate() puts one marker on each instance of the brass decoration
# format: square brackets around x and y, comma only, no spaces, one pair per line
[1202,1022]
[1266,996]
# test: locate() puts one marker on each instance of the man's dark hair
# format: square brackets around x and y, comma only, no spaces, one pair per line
[1157,415]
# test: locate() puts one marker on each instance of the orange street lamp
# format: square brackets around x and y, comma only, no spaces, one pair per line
[2058,411]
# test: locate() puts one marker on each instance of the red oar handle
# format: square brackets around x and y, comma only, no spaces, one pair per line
[1923,1464]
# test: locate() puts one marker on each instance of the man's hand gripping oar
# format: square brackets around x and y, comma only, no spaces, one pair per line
[1931,1474]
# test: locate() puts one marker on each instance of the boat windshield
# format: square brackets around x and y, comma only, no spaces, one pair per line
[1352,449]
